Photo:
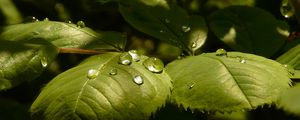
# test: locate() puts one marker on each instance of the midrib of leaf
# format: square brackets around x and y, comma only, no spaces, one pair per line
[236,82]
[83,86]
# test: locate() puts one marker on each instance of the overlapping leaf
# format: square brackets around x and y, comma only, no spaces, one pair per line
[289,100]
[249,29]
[64,35]
[21,62]
[101,88]
[226,83]
[168,23]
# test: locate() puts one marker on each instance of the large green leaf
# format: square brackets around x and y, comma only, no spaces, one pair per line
[168,23]
[64,35]
[102,88]
[21,62]
[249,29]
[220,82]
[290,100]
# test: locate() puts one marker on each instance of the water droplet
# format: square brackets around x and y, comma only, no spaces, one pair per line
[221,52]
[242,60]
[92,73]
[161,31]
[113,72]
[167,20]
[44,62]
[46,19]
[191,86]
[135,55]
[80,24]
[138,80]
[194,45]
[286,9]
[154,64]
[69,21]
[30,19]
[185,28]
[125,59]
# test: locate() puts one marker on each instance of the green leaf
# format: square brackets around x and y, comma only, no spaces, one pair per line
[222,4]
[102,88]
[226,83]
[21,62]
[289,100]
[249,29]
[168,23]
[291,58]
[64,35]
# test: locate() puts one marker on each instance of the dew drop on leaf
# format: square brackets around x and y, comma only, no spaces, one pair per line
[286,9]
[167,20]
[46,19]
[242,60]
[125,58]
[185,28]
[113,72]
[154,64]
[80,24]
[191,86]
[69,21]
[44,62]
[194,45]
[138,80]
[135,55]
[221,52]
[30,19]
[92,73]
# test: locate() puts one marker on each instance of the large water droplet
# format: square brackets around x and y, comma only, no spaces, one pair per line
[194,45]
[154,64]
[167,20]
[185,28]
[44,62]
[113,72]
[125,58]
[221,52]
[242,60]
[135,55]
[138,80]
[92,73]
[80,24]
[286,9]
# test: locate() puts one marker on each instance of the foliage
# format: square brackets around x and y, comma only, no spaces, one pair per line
[149,59]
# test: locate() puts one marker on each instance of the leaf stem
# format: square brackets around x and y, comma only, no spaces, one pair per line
[80,51]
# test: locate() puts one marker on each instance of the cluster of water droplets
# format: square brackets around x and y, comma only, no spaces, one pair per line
[152,64]
[287,10]
[223,53]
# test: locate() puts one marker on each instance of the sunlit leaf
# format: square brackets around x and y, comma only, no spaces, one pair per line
[103,87]
[64,35]
[226,82]
[289,100]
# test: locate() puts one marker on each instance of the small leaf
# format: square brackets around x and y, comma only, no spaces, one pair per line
[168,23]
[249,29]
[289,100]
[64,35]
[226,83]
[21,62]
[130,92]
